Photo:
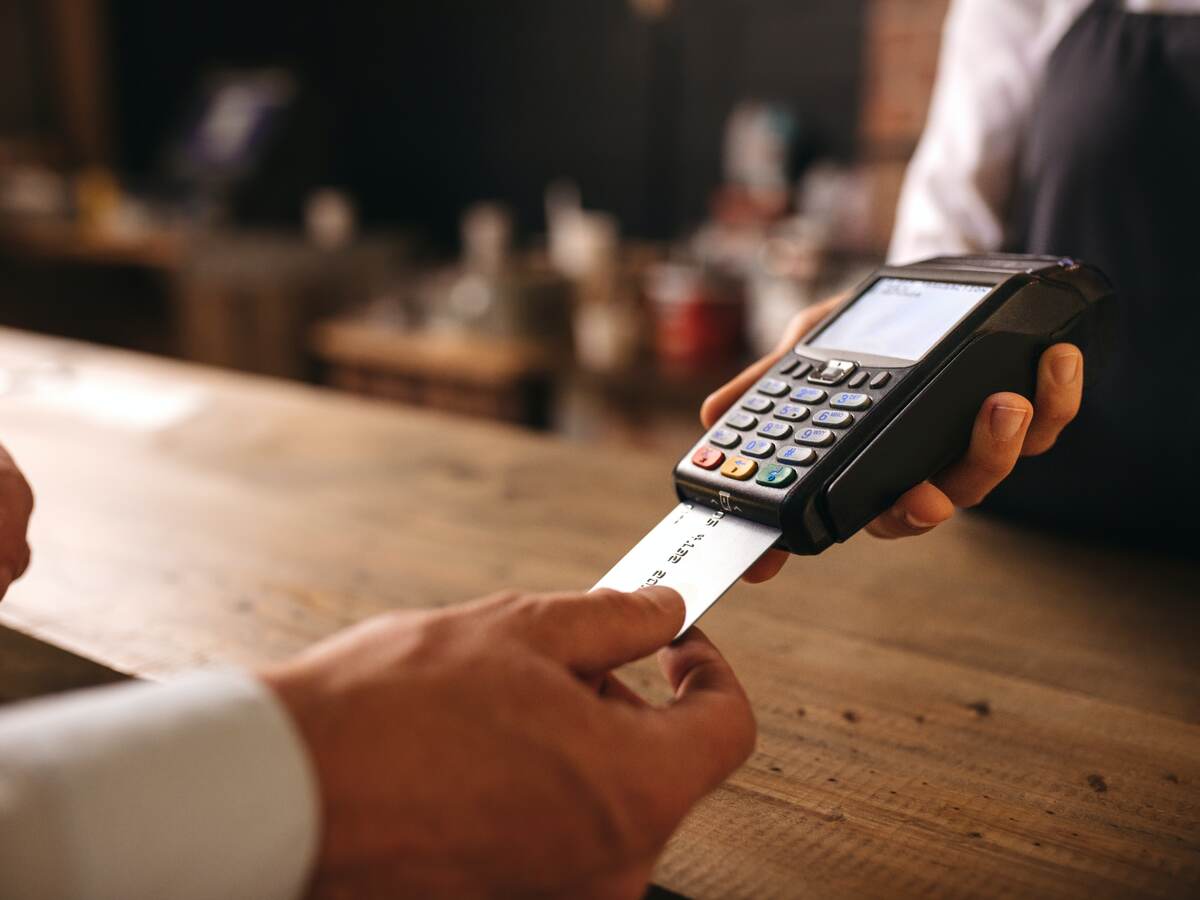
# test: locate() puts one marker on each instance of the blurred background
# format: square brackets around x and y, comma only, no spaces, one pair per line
[578,217]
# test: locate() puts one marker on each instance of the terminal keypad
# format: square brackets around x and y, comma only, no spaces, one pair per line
[829,397]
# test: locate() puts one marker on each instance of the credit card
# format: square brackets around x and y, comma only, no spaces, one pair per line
[699,552]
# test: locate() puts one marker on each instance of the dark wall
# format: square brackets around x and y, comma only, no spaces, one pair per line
[26,104]
[426,107]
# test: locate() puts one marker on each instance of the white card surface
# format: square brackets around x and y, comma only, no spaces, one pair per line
[699,552]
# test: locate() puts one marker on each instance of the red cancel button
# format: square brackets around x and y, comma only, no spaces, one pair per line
[708,458]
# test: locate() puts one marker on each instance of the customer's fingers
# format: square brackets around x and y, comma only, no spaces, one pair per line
[600,630]
[1059,393]
[709,729]
[996,440]
[613,688]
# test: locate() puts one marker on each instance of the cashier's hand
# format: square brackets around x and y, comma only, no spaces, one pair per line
[1008,426]
[489,750]
[16,505]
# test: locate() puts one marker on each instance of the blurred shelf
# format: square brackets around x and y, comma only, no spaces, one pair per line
[504,378]
[472,359]
[161,249]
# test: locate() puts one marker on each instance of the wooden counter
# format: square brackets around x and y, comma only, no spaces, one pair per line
[979,712]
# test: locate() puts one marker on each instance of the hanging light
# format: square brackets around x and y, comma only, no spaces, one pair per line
[651,9]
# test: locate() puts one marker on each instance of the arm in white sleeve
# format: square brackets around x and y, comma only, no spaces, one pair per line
[959,183]
[191,790]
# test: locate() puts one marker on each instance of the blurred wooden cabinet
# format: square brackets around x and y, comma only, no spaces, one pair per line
[493,377]
[247,301]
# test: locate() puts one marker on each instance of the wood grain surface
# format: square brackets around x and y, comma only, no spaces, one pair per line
[979,712]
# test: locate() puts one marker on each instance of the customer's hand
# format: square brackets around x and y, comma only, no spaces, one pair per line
[488,750]
[1008,426]
[16,505]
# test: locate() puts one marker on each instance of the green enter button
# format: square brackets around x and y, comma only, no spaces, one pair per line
[776,476]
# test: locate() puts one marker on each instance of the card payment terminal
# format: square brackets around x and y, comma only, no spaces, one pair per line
[879,396]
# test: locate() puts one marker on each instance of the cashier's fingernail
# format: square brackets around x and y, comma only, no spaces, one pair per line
[1007,421]
[913,522]
[1065,368]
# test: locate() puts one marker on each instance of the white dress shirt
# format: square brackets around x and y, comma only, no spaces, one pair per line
[194,790]
[994,53]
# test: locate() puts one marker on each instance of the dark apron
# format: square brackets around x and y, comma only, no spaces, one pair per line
[1110,172]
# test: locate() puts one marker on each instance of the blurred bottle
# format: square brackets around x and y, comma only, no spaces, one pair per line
[840,199]
[330,219]
[29,192]
[698,315]
[472,297]
[784,279]
[585,247]
[760,142]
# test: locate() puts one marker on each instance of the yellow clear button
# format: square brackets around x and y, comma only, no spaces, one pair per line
[740,468]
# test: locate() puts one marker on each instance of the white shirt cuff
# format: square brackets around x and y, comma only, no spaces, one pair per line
[195,789]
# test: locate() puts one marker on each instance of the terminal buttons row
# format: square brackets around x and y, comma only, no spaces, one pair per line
[710,457]
[796,367]
[833,372]
[878,380]
[772,475]
[740,468]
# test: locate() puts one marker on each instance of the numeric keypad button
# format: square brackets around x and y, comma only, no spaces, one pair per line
[808,395]
[708,457]
[797,456]
[773,387]
[791,412]
[759,448]
[835,371]
[847,400]
[739,468]
[776,476]
[833,418]
[725,437]
[778,430]
[814,437]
